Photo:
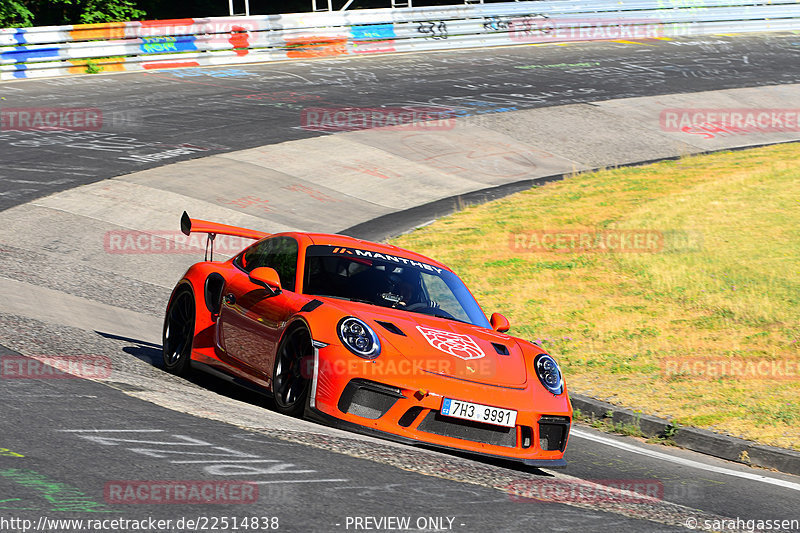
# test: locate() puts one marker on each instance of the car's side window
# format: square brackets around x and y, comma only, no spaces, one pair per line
[279,253]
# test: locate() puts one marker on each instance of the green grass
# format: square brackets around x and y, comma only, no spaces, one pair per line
[723,286]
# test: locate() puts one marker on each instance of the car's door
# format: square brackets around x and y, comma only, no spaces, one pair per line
[251,317]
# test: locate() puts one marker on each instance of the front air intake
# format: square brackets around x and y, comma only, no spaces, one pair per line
[553,431]
[438,424]
[368,399]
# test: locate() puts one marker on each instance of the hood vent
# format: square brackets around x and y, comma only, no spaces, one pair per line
[502,349]
[388,326]
[310,306]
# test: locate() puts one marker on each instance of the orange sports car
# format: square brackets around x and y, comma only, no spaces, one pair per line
[368,337]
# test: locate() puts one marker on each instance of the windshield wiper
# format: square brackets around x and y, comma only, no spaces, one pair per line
[362,300]
[348,298]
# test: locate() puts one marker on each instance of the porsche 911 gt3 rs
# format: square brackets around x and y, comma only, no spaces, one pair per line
[369,337]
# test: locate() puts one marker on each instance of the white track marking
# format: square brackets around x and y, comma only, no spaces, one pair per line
[113,430]
[296,481]
[685,462]
[227,461]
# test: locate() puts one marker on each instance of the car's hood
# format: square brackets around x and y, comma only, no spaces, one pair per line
[448,347]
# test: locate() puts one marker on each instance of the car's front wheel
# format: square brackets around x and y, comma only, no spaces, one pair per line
[291,378]
[178,332]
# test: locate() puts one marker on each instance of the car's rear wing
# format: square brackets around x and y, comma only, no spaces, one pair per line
[189,225]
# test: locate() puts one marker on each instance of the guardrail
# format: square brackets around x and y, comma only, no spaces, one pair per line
[145,45]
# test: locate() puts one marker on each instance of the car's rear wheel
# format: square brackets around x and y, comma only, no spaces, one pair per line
[291,376]
[178,332]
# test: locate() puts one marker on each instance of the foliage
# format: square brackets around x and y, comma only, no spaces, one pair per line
[109,11]
[19,13]
[14,14]
[92,67]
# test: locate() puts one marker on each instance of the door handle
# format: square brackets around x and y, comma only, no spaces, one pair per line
[230,299]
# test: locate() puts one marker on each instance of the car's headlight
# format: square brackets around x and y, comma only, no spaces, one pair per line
[359,338]
[549,374]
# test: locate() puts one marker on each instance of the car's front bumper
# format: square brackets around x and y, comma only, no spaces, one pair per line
[405,406]
[322,418]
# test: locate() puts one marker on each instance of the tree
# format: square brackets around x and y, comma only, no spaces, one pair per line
[110,11]
[62,12]
[14,14]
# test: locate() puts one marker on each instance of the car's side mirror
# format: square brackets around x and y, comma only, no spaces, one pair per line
[499,323]
[266,277]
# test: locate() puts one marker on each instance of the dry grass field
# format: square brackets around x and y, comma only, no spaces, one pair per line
[672,288]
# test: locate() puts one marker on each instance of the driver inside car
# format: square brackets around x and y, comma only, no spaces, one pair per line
[406,290]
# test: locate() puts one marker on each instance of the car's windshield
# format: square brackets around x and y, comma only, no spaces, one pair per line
[389,281]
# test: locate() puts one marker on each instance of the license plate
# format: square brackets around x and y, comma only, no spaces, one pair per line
[479,413]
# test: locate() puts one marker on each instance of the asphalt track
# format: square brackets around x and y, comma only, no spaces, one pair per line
[319,477]
[209,111]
